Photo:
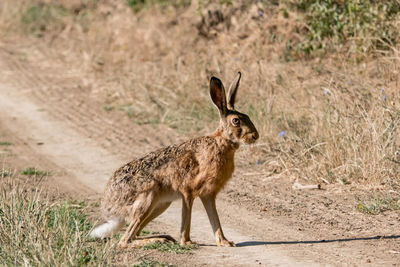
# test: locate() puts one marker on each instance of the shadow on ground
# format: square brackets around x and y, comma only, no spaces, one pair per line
[258,243]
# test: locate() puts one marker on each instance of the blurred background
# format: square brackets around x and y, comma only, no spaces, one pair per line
[320,77]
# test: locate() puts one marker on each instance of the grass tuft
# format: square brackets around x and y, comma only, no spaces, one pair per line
[138,5]
[35,231]
[38,17]
[33,171]
[5,172]
[170,247]
[145,232]
[5,143]
[378,205]
[108,108]
[152,263]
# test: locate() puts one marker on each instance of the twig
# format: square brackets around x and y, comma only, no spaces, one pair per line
[298,186]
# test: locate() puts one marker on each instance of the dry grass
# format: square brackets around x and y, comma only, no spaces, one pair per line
[326,120]
[39,227]
[36,230]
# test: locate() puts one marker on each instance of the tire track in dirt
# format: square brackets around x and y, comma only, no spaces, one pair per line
[92,166]
[62,146]
[76,109]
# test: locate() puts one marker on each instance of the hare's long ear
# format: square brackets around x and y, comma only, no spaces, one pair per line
[232,91]
[217,93]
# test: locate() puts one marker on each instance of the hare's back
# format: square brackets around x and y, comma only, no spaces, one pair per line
[148,171]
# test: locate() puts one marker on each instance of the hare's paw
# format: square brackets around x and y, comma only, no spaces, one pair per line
[122,245]
[226,243]
[187,242]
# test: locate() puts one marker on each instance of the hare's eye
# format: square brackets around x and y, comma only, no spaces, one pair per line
[235,122]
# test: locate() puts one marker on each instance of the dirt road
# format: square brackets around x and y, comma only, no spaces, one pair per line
[62,123]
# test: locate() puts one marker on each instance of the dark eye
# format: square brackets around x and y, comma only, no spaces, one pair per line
[235,122]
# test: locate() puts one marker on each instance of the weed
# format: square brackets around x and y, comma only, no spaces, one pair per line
[170,247]
[145,232]
[69,215]
[343,181]
[5,173]
[33,171]
[226,2]
[152,263]
[369,25]
[5,143]
[378,205]
[138,5]
[38,17]
[108,108]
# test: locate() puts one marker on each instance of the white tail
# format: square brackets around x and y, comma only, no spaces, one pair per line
[108,228]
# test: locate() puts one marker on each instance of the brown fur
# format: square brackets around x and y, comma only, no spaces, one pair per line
[142,189]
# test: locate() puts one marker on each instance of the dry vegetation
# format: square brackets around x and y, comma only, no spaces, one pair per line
[40,230]
[325,119]
[329,114]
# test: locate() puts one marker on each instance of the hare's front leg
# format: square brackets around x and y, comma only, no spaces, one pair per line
[211,209]
[187,203]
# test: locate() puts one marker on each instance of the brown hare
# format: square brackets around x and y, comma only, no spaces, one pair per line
[144,188]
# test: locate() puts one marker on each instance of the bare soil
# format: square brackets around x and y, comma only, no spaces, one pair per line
[57,123]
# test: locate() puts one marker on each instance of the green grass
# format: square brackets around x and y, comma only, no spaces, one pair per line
[108,108]
[378,205]
[41,17]
[145,232]
[5,143]
[35,231]
[5,173]
[33,171]
[70,214]
[364,25]
[151,263]
[170,247]
[138,5]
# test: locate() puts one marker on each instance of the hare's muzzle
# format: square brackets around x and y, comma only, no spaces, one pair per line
[251,138]
[255,136]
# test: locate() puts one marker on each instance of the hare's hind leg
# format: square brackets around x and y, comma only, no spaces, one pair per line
[141,209]
[157,211]
[144,240]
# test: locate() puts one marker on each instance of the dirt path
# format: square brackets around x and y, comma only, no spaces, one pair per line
[86,145]
[91,166]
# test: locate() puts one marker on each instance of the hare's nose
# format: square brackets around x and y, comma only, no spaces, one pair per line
[255,136]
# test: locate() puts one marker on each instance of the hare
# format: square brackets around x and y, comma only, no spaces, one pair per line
[144,188]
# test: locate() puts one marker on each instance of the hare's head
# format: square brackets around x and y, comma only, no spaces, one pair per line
[235,126]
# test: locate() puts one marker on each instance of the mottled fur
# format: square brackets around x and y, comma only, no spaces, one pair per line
[142,189]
